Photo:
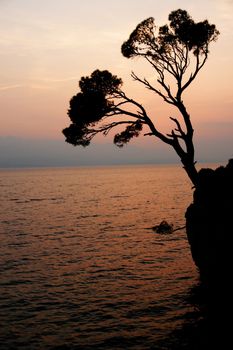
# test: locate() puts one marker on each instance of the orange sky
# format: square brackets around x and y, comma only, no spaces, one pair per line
[46,46]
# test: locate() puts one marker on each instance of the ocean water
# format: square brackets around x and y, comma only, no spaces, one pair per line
[81,267]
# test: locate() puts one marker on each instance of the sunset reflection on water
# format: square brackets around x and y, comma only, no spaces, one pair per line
[81,266]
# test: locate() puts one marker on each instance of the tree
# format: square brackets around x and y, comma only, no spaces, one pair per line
[177,52]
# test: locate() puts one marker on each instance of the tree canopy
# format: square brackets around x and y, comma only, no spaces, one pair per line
[177,50]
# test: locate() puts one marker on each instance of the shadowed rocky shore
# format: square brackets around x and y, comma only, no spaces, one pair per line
[209,227]
[209,223]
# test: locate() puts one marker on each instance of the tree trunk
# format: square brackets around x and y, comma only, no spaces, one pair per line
[191,170]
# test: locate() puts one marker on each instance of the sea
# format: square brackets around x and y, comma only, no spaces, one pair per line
[82,267]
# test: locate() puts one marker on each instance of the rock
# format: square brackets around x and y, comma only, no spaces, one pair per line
[209,222]
[163,227]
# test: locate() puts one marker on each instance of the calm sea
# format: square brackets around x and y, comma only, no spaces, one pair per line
[81,267]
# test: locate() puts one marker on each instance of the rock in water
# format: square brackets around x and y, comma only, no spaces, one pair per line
[163,227]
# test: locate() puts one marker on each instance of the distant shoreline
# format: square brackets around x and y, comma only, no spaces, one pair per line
[120,165]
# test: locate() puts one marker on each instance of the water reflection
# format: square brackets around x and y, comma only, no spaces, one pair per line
[80,270]
[208,326]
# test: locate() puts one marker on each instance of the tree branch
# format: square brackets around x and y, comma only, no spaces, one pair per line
[179,128]
[147,120]
[152,88]
[105,129]
[197,69]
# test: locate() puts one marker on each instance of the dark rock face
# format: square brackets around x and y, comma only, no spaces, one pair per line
[209,223]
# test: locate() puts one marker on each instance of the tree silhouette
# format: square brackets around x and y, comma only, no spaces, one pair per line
[177,52]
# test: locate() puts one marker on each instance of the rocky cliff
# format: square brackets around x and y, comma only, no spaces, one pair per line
[209,222]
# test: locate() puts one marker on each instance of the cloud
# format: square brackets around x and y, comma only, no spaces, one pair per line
[43,83]
[57,80]
[21,152]
[9,87]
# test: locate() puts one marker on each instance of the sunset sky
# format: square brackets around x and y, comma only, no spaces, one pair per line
[47,45]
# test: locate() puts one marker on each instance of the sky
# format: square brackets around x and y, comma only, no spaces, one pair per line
[47,45]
